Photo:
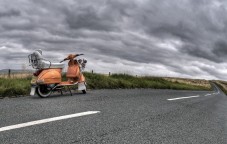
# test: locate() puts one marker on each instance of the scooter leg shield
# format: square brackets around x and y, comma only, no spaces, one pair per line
[81,86]
[81,78]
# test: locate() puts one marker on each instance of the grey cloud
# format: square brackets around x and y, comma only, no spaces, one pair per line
[196,51]
[9,13]
[17,26]
[220,49]
[180,30]
[106,16]
[88,18]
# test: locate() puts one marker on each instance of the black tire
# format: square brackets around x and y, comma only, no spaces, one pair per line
[44,91]
[84,91]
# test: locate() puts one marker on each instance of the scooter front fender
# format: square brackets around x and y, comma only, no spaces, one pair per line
[33,90]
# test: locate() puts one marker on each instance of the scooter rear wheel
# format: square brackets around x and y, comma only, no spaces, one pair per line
[44,91]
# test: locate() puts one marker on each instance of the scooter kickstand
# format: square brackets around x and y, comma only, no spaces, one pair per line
[69,90]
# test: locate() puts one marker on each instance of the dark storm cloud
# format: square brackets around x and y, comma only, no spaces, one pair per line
[220,48]
[172,38]
[91,15]
[88,18]
[196,51]
[9,13]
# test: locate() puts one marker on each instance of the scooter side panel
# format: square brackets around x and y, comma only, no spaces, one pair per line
[50,76]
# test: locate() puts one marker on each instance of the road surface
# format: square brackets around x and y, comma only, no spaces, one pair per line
[116,116]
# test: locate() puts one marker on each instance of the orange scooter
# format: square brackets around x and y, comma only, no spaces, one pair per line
[48,77]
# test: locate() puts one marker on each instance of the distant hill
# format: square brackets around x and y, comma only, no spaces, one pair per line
[15,71]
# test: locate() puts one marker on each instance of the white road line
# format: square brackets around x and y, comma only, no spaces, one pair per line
[207,94]
[47,120]
[182,98]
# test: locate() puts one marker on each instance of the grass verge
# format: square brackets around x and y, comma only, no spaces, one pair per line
[98,81]
[21,86]
[14,87]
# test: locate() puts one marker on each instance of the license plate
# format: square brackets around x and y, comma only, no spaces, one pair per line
[32,93]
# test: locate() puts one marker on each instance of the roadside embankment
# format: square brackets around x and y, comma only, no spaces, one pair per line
[21,86]
[222,85]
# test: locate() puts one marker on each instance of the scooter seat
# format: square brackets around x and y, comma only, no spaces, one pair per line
[57,65]
[39,63]
[48,64]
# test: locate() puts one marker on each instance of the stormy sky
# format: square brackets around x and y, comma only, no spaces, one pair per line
[178,38]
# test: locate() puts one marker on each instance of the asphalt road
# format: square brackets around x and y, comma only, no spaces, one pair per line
[123,116]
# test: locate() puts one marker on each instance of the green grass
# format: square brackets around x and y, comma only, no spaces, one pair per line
[21,86]
[98,81]
[14,87]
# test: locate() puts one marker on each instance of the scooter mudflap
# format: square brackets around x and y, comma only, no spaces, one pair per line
[81,86]
[32,93]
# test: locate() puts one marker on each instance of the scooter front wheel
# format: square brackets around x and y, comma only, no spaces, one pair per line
[84,91]
[44,91]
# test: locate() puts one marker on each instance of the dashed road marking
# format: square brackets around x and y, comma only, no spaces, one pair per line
[207,94]
[47,120]
[183,98]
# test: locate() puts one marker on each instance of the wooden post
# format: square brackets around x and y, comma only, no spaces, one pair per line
[92,71]
[9,73]
[109,73]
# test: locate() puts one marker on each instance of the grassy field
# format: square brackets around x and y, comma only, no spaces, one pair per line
[14,86]
[20,86]
[195,82]
[16,75]
[98,81]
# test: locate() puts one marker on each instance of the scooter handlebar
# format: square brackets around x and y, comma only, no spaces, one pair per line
[79,54]
[62,61]
[68,58]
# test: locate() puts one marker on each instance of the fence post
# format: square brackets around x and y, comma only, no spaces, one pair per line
[9,73]
[109,73]
[92,71]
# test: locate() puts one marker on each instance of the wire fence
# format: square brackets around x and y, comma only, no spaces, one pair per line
[15,74]
[9,73]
